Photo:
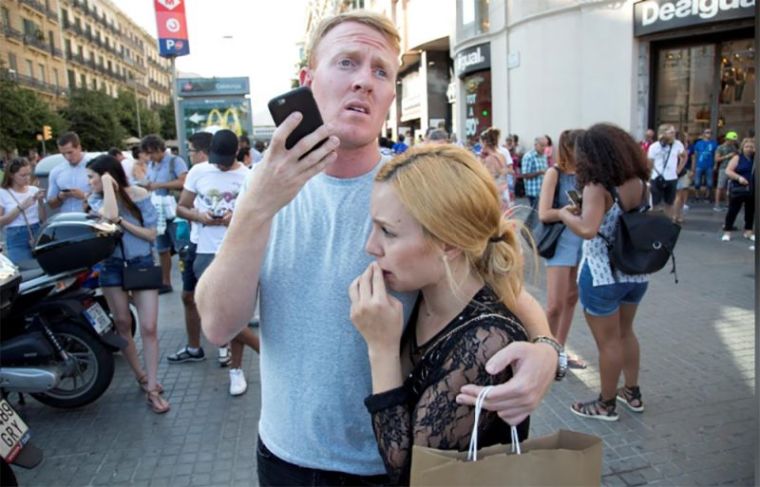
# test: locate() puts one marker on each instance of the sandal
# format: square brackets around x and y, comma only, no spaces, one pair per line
[576,363]
[631,397]
[143,382]
[156,402]
[596,409]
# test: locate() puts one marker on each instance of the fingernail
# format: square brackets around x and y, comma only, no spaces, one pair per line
[490,369]
[296,116]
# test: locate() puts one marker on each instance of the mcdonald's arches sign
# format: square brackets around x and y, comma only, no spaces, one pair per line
[172,28]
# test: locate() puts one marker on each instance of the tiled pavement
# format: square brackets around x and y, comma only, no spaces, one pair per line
[697,377]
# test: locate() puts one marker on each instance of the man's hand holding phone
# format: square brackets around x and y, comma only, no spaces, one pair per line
[282,172]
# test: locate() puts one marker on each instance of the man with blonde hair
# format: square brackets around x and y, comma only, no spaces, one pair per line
[297,236]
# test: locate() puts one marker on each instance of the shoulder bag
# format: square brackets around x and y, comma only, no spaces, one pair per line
[660,182]
[736,190]
[546,235]
[139,278]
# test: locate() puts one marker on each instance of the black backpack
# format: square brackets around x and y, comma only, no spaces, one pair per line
[643,241]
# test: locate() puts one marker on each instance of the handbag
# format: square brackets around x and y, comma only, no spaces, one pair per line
[736,190]
[660,182]
[32,238]
[139,278]
[562,458]
[546,235]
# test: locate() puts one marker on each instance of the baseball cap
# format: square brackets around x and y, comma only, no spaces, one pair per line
[224,146]
[732,135]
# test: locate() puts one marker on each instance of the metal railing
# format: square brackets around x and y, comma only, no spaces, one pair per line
[35,5]
[12,33]
[34,83]
[35,41]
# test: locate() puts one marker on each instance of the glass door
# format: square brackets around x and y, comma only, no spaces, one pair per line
[736,101]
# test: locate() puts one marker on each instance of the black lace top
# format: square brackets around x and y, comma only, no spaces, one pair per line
[423,411]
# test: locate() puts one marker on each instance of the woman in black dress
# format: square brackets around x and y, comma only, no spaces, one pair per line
[437,227]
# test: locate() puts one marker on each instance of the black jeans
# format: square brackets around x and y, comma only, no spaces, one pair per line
[734,205]
[274,471]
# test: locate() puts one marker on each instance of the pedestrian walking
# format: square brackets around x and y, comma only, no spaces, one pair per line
[297,235]
[438,229]
[741,190]
[129,207]
[562,268]
[723,154]
[20,210]
[208,199]
[495,162]
[667,156]
[533,167]
[702,163]
[166,173]
[613,172]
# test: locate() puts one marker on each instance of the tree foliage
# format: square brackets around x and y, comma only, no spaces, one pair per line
[168,123]
[24,114]
[93,116]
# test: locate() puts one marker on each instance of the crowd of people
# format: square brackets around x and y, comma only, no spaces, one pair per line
[389,277]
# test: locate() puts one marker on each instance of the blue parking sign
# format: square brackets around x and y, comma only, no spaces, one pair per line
[173,47]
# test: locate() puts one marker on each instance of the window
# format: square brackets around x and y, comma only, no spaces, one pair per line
[6,16]
[51,39]
[81,51]
[12,62]
[72,78]
[473,17]
[30,28]
[56,81]
[29,68]
[67,45]
[43,78]
[65,14]
[83,80]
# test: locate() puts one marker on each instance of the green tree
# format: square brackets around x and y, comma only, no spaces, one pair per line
[23,115]
[168,124]
[93,115]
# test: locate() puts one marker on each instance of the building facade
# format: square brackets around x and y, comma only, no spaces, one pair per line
[52,46]
[541,66]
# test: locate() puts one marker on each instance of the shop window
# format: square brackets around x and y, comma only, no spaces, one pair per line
[684,92]
[477,104]
[473,17]
[738,85]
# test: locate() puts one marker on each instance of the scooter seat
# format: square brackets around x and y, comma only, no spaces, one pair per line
[29,273]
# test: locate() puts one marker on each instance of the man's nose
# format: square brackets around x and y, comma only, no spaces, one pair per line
[363,80]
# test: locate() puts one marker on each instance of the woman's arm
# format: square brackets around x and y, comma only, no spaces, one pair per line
[141,232]
[731,171]
[110,209]
[546,213]
[587,223]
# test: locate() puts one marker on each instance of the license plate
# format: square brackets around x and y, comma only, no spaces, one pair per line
[14,433]
[98,318]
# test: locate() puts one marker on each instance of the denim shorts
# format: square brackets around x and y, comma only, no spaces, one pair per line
[186,261]
[113,267]
[165,241]
[17,242]
[568,251]
[707,174]
[606,299]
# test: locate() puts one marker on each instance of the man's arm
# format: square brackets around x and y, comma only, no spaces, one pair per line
[173,184]
[53,198]
[275,182]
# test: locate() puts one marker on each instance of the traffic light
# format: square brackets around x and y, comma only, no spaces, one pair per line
[47,132]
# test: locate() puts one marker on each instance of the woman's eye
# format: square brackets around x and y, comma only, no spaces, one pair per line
[386,232]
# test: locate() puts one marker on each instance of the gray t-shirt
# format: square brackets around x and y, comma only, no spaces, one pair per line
[315,372]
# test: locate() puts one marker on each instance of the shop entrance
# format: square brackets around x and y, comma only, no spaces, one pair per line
[706,85]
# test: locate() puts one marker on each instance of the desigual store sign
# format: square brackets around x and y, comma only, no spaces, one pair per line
[652,16]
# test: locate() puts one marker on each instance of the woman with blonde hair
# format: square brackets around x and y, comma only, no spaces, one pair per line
[741,190]
[437,227]
[562,267]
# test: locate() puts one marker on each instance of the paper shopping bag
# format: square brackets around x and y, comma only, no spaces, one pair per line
[562,458]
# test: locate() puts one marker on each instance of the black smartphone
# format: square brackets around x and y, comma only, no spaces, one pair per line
[65,190]
[298,100]
[575,197]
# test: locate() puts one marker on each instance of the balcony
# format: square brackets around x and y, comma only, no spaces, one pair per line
[56,52]
[12,33]
[35,83]
[51,14]
[36,41]
[35,5]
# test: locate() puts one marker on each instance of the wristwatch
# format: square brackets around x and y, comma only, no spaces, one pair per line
[561,355]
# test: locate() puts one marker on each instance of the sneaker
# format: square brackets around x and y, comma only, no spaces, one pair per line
[717,208]
[185,355]
[752,248]
[238,385]
[750,237]
[225,357]
[726,237]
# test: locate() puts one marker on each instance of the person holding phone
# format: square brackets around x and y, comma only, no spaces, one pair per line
[609,162]
[20,210]
[562,268]
[297,236]
[67,183]
[129,207]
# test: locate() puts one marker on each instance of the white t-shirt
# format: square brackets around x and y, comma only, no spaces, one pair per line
[8,204]
[505,152]
[216,192]
[658,153]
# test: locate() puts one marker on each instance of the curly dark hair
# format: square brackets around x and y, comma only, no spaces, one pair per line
[607,155]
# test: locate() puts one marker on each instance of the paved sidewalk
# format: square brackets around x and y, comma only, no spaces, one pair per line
[697,377]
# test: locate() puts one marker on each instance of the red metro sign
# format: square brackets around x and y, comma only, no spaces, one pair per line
[172,28]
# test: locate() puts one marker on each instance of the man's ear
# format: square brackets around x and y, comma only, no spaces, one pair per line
[304,77]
